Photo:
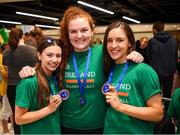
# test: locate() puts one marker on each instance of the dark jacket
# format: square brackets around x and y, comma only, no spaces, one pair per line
[162,53]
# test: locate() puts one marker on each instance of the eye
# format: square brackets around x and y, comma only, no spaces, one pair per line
[72,31]
[84,30]
[58,55]
[118,40]
[50,55]
[109,40]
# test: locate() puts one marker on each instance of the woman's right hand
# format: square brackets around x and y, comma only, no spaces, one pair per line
[112,98]
[27,71]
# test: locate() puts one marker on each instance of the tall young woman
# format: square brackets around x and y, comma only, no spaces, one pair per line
[37,99]
[134,94]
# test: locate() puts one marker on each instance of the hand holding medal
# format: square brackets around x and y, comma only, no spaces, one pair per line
[54,103]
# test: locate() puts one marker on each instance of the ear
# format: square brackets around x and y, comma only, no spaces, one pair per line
[39,56]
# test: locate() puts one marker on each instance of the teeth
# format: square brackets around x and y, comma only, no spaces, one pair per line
[114,51]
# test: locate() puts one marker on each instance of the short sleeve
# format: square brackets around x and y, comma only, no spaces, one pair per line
[149,82]
[173,104]
[26,91]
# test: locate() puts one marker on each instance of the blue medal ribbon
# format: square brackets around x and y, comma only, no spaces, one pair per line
[120,78]
[56,85]
[82,85]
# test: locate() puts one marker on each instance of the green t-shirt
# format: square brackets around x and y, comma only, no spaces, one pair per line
[26,97]
[91,115]
[139,84]
[174,108]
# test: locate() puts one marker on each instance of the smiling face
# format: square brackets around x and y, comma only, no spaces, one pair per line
[80,34]
[50,58]
[118,45]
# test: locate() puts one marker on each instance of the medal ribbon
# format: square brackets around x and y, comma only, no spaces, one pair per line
[82,85]
[56,85]
[120,78]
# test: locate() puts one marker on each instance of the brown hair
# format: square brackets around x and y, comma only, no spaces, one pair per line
[108,61]
[43,85]
[70,14]
[37,35]
[14,36]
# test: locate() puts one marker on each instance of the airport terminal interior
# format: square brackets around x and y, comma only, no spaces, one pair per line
[139,14]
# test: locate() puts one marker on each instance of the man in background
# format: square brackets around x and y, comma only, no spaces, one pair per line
[162,55]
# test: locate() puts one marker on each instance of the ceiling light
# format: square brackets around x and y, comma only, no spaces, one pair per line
[130,19]
[47,26]
[11,22]
[95,7]
[38,16]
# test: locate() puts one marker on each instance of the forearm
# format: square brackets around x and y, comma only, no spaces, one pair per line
[143,113]
[33,116]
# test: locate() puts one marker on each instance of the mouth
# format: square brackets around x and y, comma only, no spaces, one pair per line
[114,52]
[80,40]
[53,65]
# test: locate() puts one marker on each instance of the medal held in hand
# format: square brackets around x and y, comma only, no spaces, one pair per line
[105,88]
[64,94]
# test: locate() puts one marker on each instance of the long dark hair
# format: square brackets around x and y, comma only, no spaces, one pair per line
[43,93]
[108,61]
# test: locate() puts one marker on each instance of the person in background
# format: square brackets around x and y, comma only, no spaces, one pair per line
[16,57]
[37,98]
[141,47]
[6,112]
[134,94]
[27,39]
[174,109]
[36,36]
[84,111]
[162,56]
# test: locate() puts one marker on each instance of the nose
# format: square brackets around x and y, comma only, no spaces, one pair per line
[54,58]
[79,34]
[113,44]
